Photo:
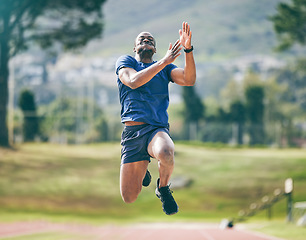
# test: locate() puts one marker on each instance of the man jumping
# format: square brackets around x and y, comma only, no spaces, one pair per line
[144,97]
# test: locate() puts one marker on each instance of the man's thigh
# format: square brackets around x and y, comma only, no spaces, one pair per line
[131,176]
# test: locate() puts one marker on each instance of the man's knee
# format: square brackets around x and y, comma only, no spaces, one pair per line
[128,198]
[166,155]
[130,195]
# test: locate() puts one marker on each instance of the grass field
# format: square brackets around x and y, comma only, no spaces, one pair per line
[81,183]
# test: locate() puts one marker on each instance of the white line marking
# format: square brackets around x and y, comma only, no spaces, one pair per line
[206,235]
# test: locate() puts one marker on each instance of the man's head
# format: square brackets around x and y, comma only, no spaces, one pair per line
[145,45]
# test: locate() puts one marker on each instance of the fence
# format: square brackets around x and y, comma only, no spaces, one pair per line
[266,203]
[271,134]
[83,128]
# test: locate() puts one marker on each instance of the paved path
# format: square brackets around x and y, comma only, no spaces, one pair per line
[160,231]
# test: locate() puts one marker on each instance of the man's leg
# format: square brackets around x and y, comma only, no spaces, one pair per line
[161,148]
[131,177]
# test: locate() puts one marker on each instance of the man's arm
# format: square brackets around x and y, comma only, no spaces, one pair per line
[133,79]
[186,76]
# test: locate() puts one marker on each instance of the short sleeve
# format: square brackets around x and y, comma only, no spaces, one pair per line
[125,61]
[170,67]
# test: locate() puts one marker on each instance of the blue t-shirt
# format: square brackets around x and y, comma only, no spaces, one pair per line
[148,103]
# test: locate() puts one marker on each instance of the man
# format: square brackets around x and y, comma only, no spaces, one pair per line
[144,97]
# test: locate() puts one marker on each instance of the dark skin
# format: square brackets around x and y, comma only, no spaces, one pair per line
[145,49]
[161,147]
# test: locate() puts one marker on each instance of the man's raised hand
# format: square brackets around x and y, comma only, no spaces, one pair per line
[185,35]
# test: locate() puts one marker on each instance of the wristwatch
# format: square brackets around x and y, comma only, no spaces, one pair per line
[188,50]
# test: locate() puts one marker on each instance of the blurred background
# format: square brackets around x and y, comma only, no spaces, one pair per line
[242,126]
[246,91]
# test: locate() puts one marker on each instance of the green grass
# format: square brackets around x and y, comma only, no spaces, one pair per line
[279,229]
[44,236]
[81,183]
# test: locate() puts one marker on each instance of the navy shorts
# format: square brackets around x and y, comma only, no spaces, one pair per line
[135,141]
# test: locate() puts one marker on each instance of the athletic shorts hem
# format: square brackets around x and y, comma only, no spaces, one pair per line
[135,141]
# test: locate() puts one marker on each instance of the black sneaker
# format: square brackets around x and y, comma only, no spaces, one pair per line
[147,179]
[165,195]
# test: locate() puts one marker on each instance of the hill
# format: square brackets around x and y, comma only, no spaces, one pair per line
[229,37]
[221,29]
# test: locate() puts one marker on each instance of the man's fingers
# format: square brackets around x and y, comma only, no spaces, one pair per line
[180,49]
[176,55]
[176,44]
[186,28]
[176,52]
[176,47]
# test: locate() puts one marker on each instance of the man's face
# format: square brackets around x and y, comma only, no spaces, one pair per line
[145,42]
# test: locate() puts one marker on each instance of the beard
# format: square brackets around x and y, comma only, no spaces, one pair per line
[145,53]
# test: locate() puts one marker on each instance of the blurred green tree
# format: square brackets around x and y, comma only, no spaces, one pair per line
[71,23]
[194,110]
[255,113]
[30,121]
[290,27]
[294,76]
[232,92]
[63,122]
[102,130]
[237,113]
[290,23]
[217,126]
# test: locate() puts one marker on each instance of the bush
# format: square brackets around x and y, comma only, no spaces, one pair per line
[30,120]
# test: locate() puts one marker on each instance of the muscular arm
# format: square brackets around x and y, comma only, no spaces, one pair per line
[186,76]
[133,79]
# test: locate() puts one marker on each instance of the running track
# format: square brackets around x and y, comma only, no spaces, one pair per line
[160,231]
